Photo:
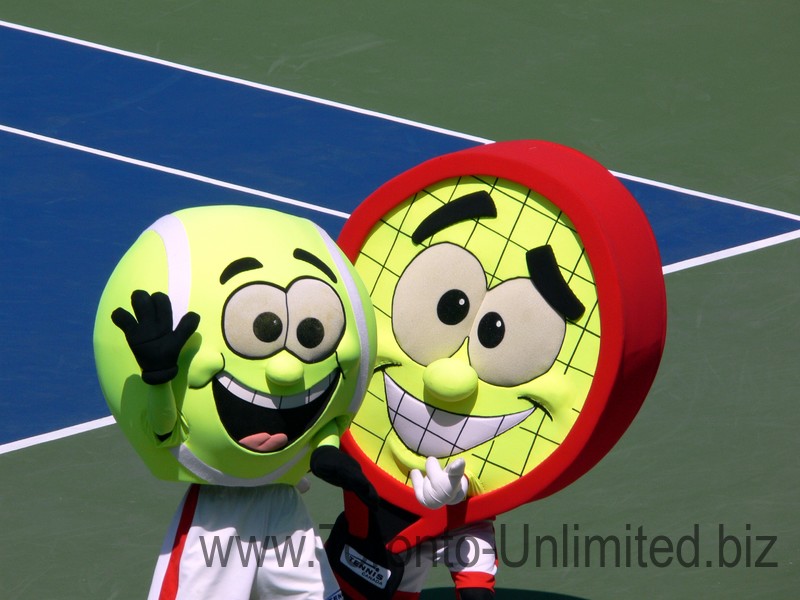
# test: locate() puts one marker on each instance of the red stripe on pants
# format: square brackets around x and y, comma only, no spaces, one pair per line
[169,585]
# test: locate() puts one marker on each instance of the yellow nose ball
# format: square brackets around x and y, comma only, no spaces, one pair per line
[450,379]
[284,369]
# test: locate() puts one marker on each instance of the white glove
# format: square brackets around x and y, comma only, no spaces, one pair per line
[440,486]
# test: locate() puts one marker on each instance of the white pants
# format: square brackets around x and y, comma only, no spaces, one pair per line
[468,553]
[242,544]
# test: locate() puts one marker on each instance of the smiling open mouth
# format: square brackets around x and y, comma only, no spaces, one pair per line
[264,422]
[430,431]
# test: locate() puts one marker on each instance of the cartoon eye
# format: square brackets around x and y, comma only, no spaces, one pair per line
[435,302]
[254,320]
[516,336]
[316,319]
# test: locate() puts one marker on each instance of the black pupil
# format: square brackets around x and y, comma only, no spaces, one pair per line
[310,332]
[491,330]
[453,307]
[267,327]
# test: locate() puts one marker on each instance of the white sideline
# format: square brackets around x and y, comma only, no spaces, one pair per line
[172,171]
[728,252]
[237,80]
[56,435]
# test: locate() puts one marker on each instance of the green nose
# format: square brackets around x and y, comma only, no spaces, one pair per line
[284,369]
[450,379]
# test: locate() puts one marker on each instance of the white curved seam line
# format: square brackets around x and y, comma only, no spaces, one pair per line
[214,476]
[364,368]
[179,263]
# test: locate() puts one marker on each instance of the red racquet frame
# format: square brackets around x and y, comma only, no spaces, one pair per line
[622,250]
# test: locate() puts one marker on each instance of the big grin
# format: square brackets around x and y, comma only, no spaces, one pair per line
[264,422]
[431,431]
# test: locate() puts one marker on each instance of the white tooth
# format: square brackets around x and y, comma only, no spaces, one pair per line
[317,391]
[413,433]
[275,402]
[431,431]
[394,393]
[241,392]
[293,401]
[267,401]
[477,432]
[446,421]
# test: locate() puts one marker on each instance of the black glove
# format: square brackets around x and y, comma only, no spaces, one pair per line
[337,468]
[150,335]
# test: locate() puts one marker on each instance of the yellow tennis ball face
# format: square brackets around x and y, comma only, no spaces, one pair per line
[488,331]
[283,341]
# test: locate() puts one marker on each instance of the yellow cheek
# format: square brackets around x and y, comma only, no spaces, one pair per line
[348,352]
[206,363]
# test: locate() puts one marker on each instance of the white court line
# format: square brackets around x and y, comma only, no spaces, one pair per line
[686,264]
[728,252]
[76,429]
[56,435]
[705,196]
[172,171]
[239,81]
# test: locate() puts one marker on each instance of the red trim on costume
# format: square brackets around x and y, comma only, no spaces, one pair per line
[358,516]
[348,590]
[406,595]
[473,579]
[169,585]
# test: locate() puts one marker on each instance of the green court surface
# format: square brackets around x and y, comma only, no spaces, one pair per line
[701,95]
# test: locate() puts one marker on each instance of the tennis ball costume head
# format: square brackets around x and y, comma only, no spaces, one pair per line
[283,348]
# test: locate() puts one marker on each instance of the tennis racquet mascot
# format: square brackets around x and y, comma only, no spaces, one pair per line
[233,345]
[521,318]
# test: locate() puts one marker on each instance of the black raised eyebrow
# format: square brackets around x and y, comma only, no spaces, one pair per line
[306,256]
[240,265]
[472,206]
[548,281]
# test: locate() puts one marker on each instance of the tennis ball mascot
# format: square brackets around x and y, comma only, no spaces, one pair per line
[233,345]
[521,319]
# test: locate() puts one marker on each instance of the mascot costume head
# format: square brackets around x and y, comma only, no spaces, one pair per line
[283,346]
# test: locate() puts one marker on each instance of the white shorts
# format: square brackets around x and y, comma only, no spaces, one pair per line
[468,552]
[243,544]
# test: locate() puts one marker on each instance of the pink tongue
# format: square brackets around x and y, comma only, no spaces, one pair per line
[264,442]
